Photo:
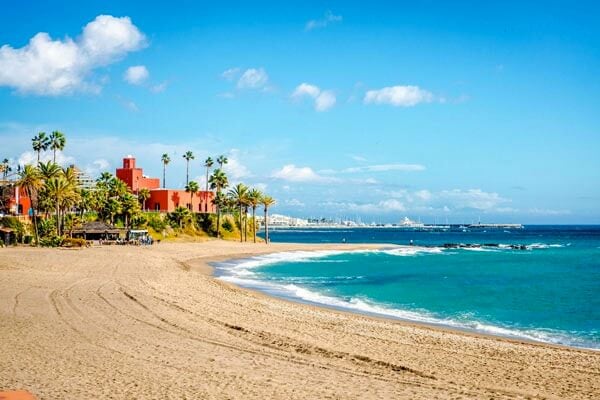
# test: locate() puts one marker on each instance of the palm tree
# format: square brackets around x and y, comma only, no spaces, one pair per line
[112,208]
[40,143]
[57,141]
[222,160]
[239,194]
[218,180]
[188,156]
[30,179]
[5,167]
[130,206]
[180,215]
[143,195]
[192,188]
[267,201]
[165,160]
[208,163]
[49,170]
[254,197]
[58,189]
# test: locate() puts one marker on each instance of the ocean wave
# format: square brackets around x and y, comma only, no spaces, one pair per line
[466,321]
[543,246]
[412,251]
[481,249]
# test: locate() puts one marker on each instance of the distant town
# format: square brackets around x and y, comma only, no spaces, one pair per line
[284,222]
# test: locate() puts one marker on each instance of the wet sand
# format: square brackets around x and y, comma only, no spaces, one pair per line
[133,322]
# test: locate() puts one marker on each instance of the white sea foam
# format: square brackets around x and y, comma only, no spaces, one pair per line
[482,249]
[412,251]
[543,246]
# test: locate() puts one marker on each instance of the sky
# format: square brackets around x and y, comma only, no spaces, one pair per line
[439,111]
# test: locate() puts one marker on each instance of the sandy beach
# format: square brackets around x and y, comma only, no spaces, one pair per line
[151,322]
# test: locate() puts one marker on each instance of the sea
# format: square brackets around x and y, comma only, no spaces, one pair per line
[539,283]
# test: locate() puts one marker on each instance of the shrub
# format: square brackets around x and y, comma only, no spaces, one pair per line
[156,222]
[74,242]
[51,241]
[227,225]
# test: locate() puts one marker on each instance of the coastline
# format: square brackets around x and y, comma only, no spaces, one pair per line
[207,267]
[134,322]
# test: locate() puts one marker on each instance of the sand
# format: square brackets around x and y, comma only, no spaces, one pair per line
[150,323]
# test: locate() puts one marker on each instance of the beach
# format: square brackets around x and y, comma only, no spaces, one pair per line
[151,322]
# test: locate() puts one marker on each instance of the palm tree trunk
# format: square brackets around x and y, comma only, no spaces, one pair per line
[218,221]
[187,172]
[241,226]
[54,157]
[254,223]
[57,219]
[164,173]
[206,193]
[266,226]
[35,228]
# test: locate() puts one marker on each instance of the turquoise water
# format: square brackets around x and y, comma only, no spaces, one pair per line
[549,292]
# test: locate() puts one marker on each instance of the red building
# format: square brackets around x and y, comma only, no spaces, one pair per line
[19,203]
[165,200]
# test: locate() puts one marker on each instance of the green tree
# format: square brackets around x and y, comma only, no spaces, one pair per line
[222,160]
[208,163]
[5,167]
[254,197]
[143,195]
[130,206]
[267,201]
[58,189]
[112,208]
[239,195]
[30,179]
[165,161]
[188,156]
[192,188]
[49,170]
[40,143]
[218,181]
[181,216]
[57,141]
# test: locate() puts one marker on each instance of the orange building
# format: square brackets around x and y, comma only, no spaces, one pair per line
[164,200]
[19,203]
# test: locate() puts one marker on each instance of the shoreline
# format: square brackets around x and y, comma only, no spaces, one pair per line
[206,267]
[151,322]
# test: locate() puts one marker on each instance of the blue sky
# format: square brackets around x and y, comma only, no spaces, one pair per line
[426,109]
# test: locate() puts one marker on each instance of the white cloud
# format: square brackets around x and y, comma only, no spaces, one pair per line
[472,198]
[327,19]
[306,89]
[253,79]
[324,99]
[294,203]
[159,88]
[54,67]
[30,157]
[298,174]
[386,168]
[136,75]
[234,168]
[399,96]
[381,207]
[230,74]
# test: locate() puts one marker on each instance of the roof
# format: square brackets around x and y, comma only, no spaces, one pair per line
[97,227]
[5,230]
